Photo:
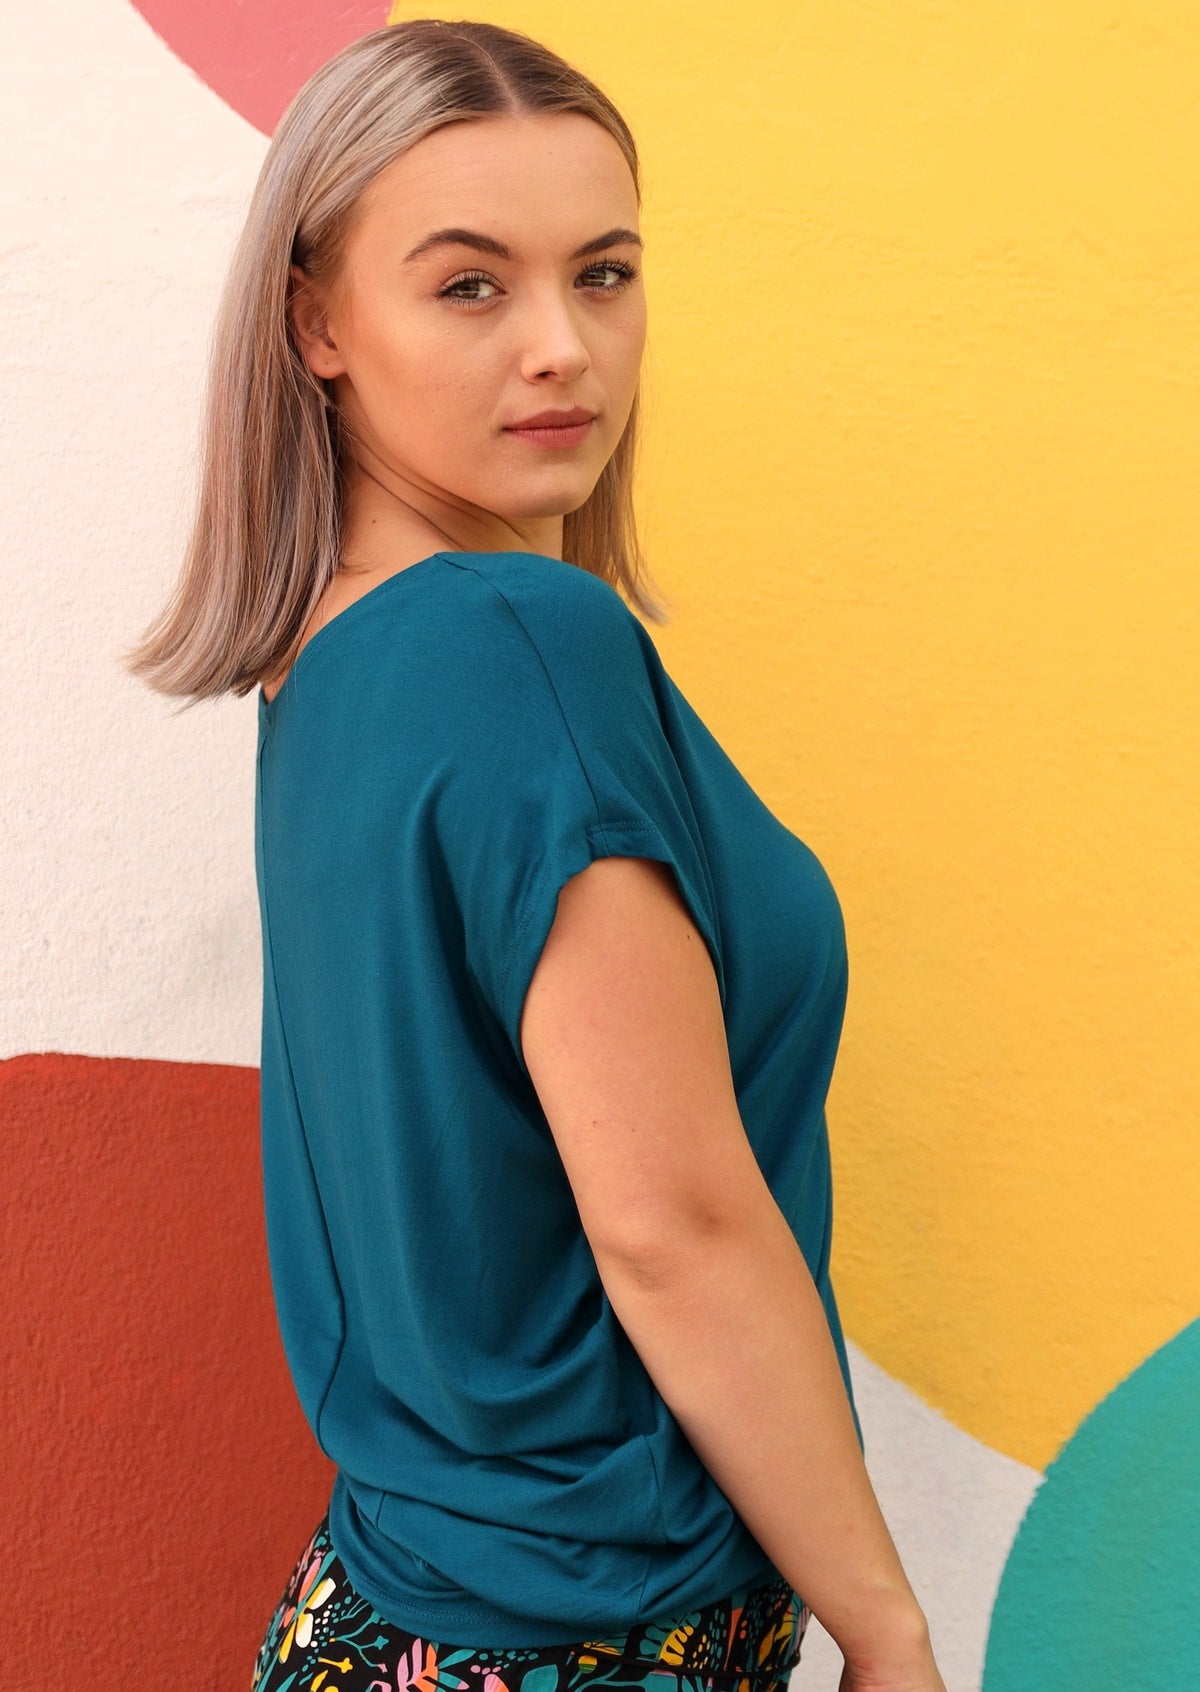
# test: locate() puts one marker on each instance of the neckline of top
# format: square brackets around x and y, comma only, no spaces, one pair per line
[357,607]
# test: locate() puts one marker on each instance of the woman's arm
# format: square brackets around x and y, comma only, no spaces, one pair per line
[624,1039]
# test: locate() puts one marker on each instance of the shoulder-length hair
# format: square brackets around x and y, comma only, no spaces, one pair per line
[266,534]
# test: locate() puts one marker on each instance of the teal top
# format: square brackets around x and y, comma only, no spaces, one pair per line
[441,758]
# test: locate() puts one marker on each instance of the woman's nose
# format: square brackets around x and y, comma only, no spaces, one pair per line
[553,336]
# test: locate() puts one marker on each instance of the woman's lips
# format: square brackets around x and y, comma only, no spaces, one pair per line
[553,437]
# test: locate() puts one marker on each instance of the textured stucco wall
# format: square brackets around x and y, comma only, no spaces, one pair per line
[919,478]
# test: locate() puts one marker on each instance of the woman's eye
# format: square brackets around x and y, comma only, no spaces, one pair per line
[625,273]
[449,291]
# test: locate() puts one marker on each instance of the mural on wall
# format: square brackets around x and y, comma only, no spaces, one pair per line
[1101,1585]
[1016,1253]
[256,57]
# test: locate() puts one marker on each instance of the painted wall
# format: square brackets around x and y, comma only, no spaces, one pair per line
[920,478]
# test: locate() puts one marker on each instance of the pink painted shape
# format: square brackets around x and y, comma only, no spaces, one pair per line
[257,55]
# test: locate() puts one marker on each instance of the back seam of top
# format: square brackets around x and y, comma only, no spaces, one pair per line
[269,950]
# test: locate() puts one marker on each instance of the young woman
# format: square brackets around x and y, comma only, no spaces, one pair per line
[551,999]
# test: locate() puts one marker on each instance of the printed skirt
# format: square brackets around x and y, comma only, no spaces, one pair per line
[325,1637]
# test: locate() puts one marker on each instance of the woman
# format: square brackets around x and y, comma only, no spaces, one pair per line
[551,999]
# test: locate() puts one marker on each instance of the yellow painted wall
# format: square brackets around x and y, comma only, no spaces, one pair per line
[920,477]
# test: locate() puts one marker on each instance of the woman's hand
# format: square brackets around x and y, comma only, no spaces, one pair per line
[908,1668]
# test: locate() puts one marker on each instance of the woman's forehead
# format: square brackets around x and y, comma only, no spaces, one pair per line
[504,179]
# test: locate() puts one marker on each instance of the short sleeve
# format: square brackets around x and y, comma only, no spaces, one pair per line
[560,755]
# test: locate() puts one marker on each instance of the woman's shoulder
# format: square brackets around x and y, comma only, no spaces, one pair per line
[525,649]
[555,612]
[534,582]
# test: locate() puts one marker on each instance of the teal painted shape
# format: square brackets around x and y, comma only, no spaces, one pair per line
[1101,1590]
[543,1679]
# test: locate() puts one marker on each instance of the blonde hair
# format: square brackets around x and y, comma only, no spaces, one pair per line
[266,534]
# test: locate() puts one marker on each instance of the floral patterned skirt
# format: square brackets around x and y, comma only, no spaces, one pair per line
[325,1637]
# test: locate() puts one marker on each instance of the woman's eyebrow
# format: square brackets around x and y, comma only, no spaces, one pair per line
[489,244]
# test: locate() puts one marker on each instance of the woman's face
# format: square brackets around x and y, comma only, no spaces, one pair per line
[436,352]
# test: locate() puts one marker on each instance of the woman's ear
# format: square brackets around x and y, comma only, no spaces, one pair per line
[310,326]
